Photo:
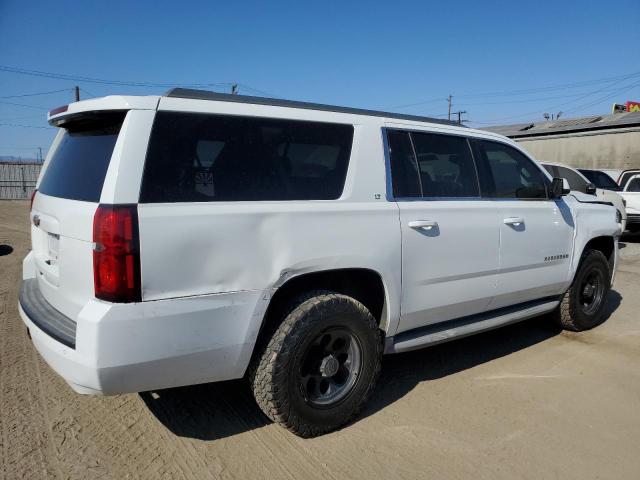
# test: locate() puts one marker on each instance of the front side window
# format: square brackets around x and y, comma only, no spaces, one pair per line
[208,158]
[576,182]
[507,173]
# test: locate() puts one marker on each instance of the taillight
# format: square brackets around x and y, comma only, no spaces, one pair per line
[116,254]
[58,110]
[33,195]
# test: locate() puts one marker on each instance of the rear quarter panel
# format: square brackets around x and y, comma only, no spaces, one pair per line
[198,248]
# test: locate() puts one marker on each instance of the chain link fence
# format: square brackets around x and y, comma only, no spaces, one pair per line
[17,180]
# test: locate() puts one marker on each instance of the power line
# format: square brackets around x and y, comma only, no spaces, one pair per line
[529,91]
[573,109]
[25,126]
[24,117]
[553,87]
[80,78]
[259,92]
[23,105]
[35,94]
[602,99]
[88,92]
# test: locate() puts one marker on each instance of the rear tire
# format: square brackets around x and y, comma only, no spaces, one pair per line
[582,305]
[320,365]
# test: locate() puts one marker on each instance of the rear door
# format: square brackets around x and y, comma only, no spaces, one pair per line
[536,233]
[68,194]
[450,236]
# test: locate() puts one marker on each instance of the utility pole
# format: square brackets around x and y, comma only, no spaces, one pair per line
[40,154]
[449,101]
[77,93]
[460,116]
[234,89]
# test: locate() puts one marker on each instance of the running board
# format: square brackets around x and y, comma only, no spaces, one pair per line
[465,326]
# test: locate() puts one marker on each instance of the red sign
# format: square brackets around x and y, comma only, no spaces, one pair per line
[633,106]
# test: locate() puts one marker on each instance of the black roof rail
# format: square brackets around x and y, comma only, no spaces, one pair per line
[227,97]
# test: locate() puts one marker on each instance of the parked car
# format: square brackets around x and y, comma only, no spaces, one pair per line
[625,176]
[601,179]
[580,183]
[613,173]
[198,237]
[631,195]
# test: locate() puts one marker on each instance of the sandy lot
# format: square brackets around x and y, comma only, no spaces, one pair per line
[527,401]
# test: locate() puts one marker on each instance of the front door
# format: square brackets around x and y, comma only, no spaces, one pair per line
[536,233]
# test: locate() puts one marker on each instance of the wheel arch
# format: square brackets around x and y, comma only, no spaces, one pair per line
[364,284]
[605,244]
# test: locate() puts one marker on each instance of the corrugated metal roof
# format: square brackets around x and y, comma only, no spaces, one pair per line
[552,127]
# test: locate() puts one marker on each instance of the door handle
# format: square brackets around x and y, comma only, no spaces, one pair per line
[426,224]
[515,221]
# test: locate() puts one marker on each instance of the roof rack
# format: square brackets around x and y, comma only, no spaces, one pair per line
[226,97]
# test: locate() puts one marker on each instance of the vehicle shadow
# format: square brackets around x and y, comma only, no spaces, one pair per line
[218,410]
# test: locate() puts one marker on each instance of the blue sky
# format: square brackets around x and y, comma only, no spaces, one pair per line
[496,58]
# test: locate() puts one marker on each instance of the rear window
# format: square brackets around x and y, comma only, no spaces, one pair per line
[78,167]
[212,158]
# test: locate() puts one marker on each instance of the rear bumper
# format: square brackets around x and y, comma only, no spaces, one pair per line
[153,345]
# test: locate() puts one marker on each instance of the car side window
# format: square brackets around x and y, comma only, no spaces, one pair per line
[634,185]
[431,165]
[404,169]
[507,173]
[551,169]
[576,182]
[445,166]
[195,157]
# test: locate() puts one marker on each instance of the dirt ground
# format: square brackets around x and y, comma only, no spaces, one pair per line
[526,401]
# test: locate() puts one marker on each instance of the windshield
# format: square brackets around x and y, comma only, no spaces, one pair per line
[79,165]
[601,180]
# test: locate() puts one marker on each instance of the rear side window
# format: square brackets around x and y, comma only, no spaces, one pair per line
[404,169]
[508,173]
[208,158]
[446,166]
[79,165]
[431,166]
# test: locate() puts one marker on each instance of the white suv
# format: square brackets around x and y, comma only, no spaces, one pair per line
[198,237]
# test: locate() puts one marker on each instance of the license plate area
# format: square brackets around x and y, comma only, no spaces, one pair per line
[53,248]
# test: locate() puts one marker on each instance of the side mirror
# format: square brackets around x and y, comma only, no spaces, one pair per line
[559,187]
[591,189]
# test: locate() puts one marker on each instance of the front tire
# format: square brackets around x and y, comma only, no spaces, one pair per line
[320,365]
[582,305]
